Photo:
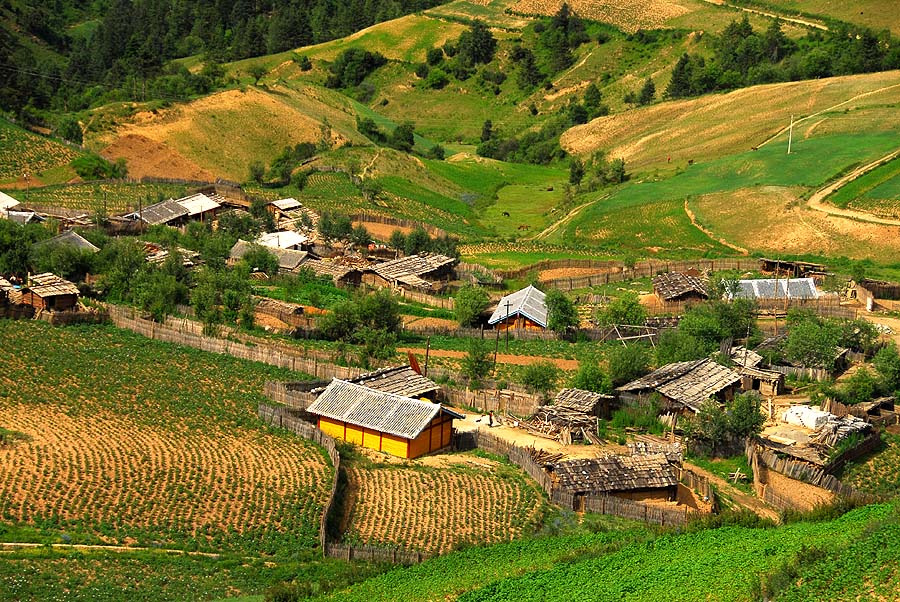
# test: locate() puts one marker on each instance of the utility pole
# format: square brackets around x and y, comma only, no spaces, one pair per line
[790,135]
[775,300]
[427,350]
[507,325]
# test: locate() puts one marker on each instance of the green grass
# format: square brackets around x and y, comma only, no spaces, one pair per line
[876,14]
[724,467]
[881,183]
[877,473]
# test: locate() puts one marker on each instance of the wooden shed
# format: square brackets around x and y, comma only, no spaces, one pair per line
[675,287]
[423,271]
[767,382]
[49,291]
[638,477]
[685,385]
[398,425]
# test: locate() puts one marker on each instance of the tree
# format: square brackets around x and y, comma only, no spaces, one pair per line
[592,96]
[259,259]
[434,56]
[680,84]
[257,171]
[562,316]
[360,237]
[576,171]
[540,377]
[626,309]
[591,377]
[468,304]
[628,363]
[709,427]
[887,366]
[476,45]
[862,386]
[647,93]
[437,152]
[811,341]
[69,129]
[256,71]
[64,260]
[487,130]
[476,364]
[417,241]
[745,417]
[403,137]
[397,241]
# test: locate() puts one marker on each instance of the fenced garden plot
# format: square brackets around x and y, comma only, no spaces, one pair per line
[138,441]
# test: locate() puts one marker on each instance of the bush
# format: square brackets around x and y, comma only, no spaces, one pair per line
[591,377]
[540,377]
[862,386]
[259,258]
[628,363]
[469,302]
[561,314]
[476,365]
[626,309]
[887,365]
[69,129]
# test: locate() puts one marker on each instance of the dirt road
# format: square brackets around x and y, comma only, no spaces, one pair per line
[740,498]
[502,358]
[817,200]
[780,16]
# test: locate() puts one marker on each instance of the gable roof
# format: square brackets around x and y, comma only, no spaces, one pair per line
[7,202]
[70,238]
[777,288]
[283,239]
[688,383]
[377,410]
[160,213]
[20,217]
[579,400]
[528,302]
[50,285]
[288,259]
[196,204]
[672,285]
[330,268]
[409,270]
[616,473]
[399,380]
[743,357]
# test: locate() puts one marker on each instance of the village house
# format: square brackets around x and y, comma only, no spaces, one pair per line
[397,380]
[588,403]
[398,425]
[71,239]
[289,261]
[50,292]
[7,202]
[284,239]
[172,212]
[423,271]
[684,386]
[343,271]
[283,208]
[770,289]
[21,217]
[640,477]
[792,269]
[523,309]
[676,287]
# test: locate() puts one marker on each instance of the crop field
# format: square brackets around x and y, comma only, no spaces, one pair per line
[492,12]
[43,159]
[671,133]
[434,509]
[879,473]
[112,198]
[712,564]
[168,450]
[877,191]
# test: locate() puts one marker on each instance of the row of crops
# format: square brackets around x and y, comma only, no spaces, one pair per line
[22,152]
[109,198]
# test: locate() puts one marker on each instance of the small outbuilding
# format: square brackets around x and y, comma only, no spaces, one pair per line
[675,287]
[769,289]
[50,292]
[398,425]
[768,382]
[638,477]
[523,309]
[289,261]
[69,239]
[7,202]
[284,239]
[423,271]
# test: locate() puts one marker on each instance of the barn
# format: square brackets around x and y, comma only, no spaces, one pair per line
[523,309]
[394,424]
[49,291]
[685,385]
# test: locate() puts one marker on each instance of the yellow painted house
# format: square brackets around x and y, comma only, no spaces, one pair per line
[398,425]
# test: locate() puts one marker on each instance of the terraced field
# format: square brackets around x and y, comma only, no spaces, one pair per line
[435,509]
[111,198]
[129,440]
[43,159]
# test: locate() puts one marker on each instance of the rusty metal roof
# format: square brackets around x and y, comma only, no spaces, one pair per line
[377,410]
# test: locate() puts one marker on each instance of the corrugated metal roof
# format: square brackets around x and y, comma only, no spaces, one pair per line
[286,204]
[377,410]
[283,239]
[7,202]
[160,213]
[70,238]
[528,302]
[197,204]
[288,259]
[780,288]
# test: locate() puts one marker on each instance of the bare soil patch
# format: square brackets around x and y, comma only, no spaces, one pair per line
[568,273]
[630,15]
[415,322]
[382,232]
[146,157]
[502,358]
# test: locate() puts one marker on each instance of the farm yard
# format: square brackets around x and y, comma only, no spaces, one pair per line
[434,509]
[180,423]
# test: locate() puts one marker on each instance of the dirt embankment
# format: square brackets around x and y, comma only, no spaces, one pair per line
[146,157]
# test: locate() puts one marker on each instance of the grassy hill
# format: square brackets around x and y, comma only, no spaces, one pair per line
[876,14]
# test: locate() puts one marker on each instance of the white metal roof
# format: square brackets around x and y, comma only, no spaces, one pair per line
[528,302]
[7,202]
[197,204]
[287,204]
[285,239]
[777,288]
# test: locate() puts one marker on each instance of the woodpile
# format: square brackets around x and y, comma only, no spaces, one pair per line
[545,458]
[563,424]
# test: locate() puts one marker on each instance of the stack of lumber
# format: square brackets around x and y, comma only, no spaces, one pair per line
[545,458]
[564,424]
[837,429]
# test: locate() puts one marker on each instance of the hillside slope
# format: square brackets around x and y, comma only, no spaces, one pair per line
[719,124]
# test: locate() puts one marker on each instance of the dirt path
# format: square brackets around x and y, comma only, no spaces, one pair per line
[502,358]
[782,17]
[365,170]
[736,495]
[817,200]
[11,546]
[559,223]
[825,110]
[573,68]
[721,241]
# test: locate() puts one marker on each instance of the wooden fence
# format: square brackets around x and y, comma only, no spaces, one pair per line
[284,418]
[425,298]
[507,401]
[377,218]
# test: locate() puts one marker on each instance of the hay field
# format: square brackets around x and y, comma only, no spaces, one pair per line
[221,134]
[720,124]
[127,440]
[876,14]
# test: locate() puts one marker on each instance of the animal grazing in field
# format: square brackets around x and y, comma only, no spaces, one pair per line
[506,214]
[523,227]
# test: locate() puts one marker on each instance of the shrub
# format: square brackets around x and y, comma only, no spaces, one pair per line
[476,365]
[628,363]
[591,377]
[561,314]
[540,377]
[469,302]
